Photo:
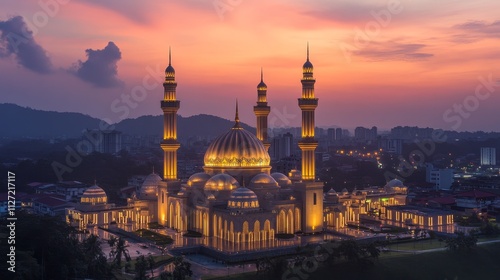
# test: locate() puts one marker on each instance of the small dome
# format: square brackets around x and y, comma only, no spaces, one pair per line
[243,198]
[332,196]
[94,195]
[150,185]
[331,192]
[262,85]
[307,64]
[295,175]
[152,180]
[395,183]
[344,191]
[221,182]
[198,178]
[170,69]
[263,178]
[281,178]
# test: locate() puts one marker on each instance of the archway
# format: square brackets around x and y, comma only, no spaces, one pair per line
[256,231]
[281,225]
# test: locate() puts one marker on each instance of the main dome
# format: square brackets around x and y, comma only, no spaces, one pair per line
[237,148]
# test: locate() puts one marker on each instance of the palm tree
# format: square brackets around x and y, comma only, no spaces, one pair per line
[350,250]
[182,269]
[140,268]
[373,250]
[118,249]
[112,242]
[95,259]
[151,264]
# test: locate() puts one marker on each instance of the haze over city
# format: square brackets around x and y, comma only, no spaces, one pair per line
[383,63]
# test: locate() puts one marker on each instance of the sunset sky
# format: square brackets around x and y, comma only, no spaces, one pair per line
[376,62]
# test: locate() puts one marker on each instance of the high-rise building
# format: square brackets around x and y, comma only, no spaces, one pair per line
[441,178]
[281,146]
[488,156]
[392,146]
[338,134]
[331,134]
[102,141]
[365,134]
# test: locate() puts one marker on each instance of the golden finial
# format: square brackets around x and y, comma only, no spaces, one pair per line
[236,117]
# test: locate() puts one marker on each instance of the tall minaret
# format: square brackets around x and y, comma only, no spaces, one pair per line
[170,105]
[262,111]
[308,104]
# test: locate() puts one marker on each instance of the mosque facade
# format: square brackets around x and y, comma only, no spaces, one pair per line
[237,198]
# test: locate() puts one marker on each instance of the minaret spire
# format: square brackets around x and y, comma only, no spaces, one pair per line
[169,56]
[308,51]
[261,111]
[236,117]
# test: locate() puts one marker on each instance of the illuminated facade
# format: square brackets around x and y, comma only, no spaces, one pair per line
[236,198]
[349,208]
[94,210]
[417,216]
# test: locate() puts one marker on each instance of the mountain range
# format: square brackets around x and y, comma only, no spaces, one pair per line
[23,122]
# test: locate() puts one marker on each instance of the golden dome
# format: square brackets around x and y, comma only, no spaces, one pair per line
[237,148]
[221,182]
[198,178]
[281,178]
[263,180]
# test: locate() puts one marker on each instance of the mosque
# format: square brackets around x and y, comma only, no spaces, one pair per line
[237,198]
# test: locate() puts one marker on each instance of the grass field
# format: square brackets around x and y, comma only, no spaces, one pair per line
[481,263]
[418,245]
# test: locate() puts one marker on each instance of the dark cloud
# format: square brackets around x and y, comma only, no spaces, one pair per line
[100,67]
[473,31]
[16,39]
[394,51]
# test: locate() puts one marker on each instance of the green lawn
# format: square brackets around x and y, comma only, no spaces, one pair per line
[481,263]
[418,245]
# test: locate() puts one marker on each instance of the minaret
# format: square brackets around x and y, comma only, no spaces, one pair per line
[262,111]
[170,105]
[308,104]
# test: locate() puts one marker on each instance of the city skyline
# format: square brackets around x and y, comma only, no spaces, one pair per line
[414,63]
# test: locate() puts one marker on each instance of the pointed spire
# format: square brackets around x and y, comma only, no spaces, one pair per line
[307,50]
[153,169]
[236,117]
[170,56]
[261,75]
